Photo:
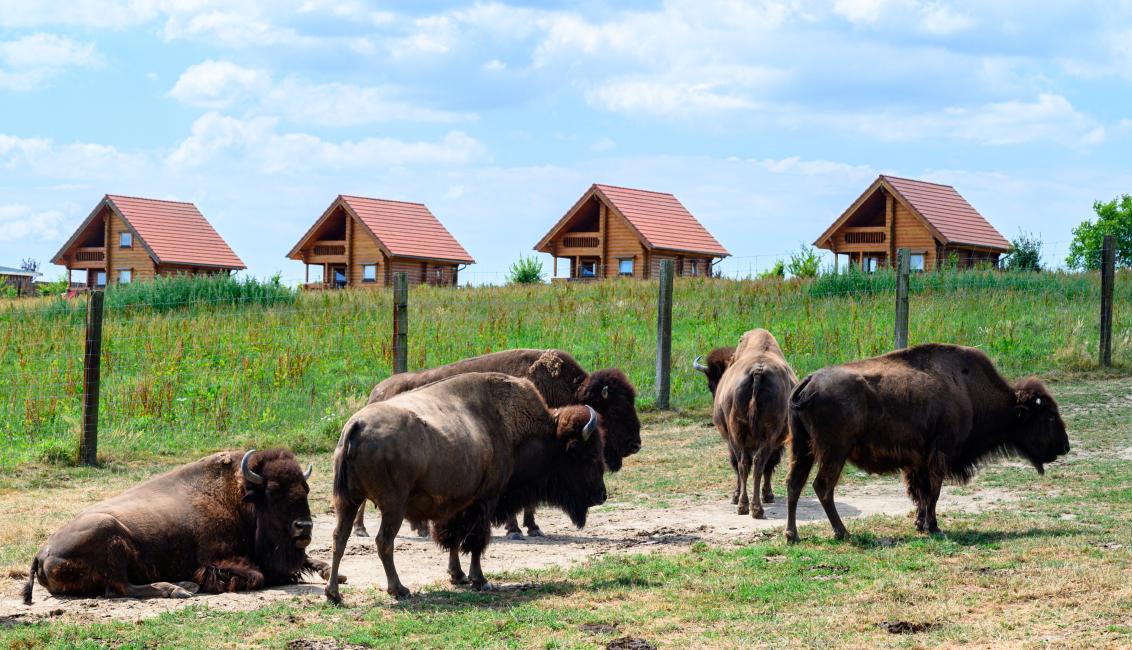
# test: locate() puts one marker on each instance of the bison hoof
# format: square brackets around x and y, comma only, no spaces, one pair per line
[458,579]
[744,508]
[333,596]
[361,532]
[483,586]
[190,587]
[735,498]
[768,497]
[398,591]
[535,532]
[841,535]
[758,513]
[791,536]
[515,536]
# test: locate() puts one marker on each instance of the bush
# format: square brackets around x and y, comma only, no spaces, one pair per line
[1113,218]
[528,270]
[805,263]
[1026,253]
[776,272]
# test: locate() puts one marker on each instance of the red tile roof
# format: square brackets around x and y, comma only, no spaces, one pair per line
[175,232]
[407,229]
[658,218]
[948,212]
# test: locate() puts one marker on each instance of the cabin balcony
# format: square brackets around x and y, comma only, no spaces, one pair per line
[863,239]
[579,243]
[327,250]
[89,257]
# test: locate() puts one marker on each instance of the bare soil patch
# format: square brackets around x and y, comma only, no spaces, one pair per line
[611,529]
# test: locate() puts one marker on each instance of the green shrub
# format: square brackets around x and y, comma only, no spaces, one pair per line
[528,270]
[806,263]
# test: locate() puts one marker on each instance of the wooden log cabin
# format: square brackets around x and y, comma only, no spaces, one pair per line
[934,221]
[362,242]
[621,232]
[129,239]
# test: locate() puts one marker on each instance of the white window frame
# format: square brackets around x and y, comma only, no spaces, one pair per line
[923,261]
[621,262]
[125,240]
[695,267]
[366,267]
[129,276]
[97,275]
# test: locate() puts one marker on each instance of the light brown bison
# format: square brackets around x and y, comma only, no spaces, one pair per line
[561,381]
[458,452]
[219,524]
[933,411]
[750,409]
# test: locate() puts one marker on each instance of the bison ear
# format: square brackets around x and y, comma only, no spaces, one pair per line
[605,391]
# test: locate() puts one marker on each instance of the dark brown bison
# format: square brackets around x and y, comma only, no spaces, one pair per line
[561,381]
[717,362]
[219,524]
[458,453]
[750,410]
[933,411]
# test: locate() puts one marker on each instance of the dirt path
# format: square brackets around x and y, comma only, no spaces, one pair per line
[614,529]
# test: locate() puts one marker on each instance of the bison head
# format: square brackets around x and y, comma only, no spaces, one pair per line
[1039,432]
[276,487]
[717,362]
[611,394]
[579,482]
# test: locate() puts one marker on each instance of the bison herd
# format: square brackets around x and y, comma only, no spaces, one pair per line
[457,449]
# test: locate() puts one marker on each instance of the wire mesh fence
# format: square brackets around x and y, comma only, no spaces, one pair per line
[191,375]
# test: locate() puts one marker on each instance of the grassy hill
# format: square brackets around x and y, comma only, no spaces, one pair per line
[190,367]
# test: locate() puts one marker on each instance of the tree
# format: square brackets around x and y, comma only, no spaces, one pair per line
[1113,218]
[777,272]
[28,264]
[805,263]
[1025,254]
[528,270]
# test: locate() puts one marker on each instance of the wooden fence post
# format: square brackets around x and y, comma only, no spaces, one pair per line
[92,371]
[400,322]
[1108,279]
[901,326]
[664,336]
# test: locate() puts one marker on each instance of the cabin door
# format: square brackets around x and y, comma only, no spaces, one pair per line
[338,276]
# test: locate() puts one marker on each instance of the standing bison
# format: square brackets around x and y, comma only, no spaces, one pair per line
[218,524]
[460,452]
[750,409]
[933,411]
[561,381]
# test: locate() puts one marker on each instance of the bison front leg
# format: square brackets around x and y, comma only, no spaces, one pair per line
[360,522]
[321,568]
[772,461]
[456,573]
[512,526]
[529,523]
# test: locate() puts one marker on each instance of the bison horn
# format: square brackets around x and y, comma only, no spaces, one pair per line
[310,470]
[249,475]
[699,366]
[591,425]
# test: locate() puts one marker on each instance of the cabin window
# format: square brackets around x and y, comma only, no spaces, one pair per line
[126,240]
[916,262]
[693,267]
[871,264]
[369,273]
[100,279]
[625,266]
[125,276]
[588,269]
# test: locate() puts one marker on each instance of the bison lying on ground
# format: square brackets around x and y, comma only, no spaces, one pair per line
[459,452]
[750,410]
[933,411]
[218,524]
[561,382]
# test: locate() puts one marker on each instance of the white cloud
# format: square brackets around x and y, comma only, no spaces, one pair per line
[859,11]
[605,143]
[21,223]
[85,13]
[221,84]
[27,62]
[218,138]
[940,20]
[79,160]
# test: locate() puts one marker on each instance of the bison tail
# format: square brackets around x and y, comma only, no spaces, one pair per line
[801,397]
[30,584]
[341,462]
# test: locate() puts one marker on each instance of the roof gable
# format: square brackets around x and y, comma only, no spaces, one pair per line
[949,217]
[659,220]
[172,232]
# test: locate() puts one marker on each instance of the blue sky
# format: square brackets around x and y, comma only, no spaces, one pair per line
[765,118]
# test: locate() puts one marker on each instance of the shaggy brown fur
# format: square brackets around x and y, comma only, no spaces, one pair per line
[933,412]
[750,411]
[715,365]
[450,452]
[200,522]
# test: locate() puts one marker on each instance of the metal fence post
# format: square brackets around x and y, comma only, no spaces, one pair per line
[901,326]
[664,336]
[92,371]
[400,322]
[1108,279]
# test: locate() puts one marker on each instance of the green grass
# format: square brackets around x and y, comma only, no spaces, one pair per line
[189,368]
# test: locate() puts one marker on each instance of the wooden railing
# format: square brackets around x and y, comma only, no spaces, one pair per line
[874,235]
[90,254]
[582,240]
[329,247]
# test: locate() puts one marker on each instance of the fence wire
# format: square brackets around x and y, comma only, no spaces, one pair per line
[200,375]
